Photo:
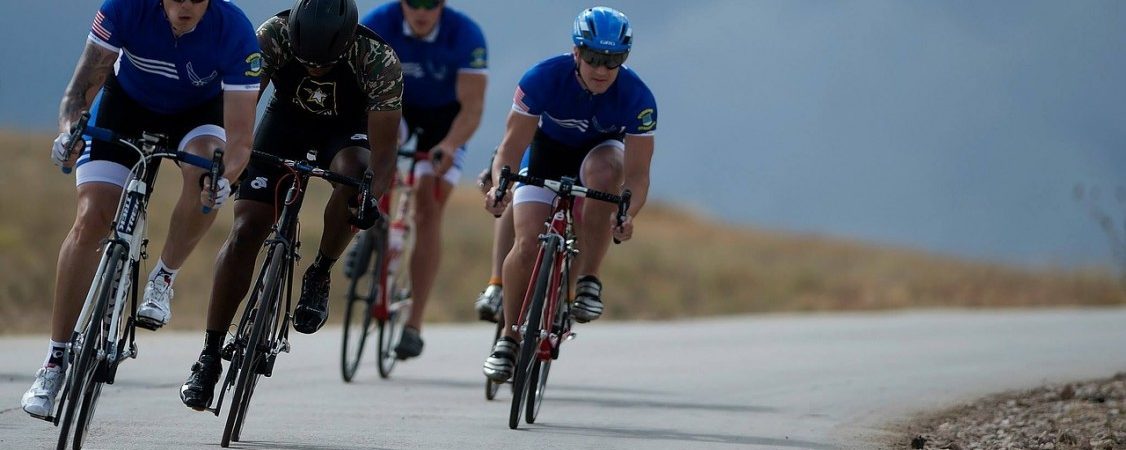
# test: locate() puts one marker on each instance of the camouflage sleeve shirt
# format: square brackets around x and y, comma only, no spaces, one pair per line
[368,77]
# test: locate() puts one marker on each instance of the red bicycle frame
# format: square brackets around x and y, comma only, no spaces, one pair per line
[560,225]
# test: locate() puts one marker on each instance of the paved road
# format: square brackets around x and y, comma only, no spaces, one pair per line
[811,382]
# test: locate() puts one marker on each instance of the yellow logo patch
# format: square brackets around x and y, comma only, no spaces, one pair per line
[255,63]
[647,121]
[479,61]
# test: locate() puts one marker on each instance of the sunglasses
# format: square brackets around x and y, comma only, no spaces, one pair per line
[597,59]
[424,4]
[313,65]
[194,2]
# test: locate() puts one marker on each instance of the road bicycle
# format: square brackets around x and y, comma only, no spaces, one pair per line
[545,315]
[105,332]
[263,330]
[378,270]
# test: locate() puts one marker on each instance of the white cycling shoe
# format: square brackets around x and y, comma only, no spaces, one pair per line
[156,310]
[39,401]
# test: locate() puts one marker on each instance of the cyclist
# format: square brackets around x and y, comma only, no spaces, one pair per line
[582,115]
[187,69]
[444,71]
[337,91]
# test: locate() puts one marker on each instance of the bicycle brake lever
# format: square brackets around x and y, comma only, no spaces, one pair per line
[215,171]
[76,132]
[623,207]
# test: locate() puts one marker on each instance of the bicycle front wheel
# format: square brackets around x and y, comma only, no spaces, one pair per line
[362,289]
[391,330]
[256,351]
[530,343]
[83,385]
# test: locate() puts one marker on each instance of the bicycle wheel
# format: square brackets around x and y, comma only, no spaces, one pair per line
[530,343]
[391,330]
[82,382]
[398,293]
[255,351]
[491,387]
[362,289]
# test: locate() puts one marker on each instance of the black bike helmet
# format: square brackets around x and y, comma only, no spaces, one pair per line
[320,30]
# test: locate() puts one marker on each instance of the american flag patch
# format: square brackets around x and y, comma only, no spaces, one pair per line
[97,27]
[518,99]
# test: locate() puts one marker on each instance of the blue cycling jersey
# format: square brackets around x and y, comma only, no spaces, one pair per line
[431,63]
[573,116]
[168,74]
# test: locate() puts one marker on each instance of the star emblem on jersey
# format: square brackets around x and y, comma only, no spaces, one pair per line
[317,97]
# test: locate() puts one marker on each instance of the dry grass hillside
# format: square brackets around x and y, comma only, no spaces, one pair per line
[678,265]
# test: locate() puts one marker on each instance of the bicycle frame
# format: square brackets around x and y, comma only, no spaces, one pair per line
[263,330]
[561,225]
[402,187]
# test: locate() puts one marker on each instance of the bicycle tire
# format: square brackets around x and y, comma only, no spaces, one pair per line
[531,339]
[391,331]
[491,387]
[248,374]
[85,366]
[543,368]
[398,311]
[357,312]
[535,392]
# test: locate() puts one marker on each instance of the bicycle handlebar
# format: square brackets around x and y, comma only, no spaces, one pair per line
[364,217]
[565,187]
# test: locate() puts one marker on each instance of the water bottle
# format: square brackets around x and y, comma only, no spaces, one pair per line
[395,239]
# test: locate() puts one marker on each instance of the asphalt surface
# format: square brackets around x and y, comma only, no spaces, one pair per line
[810,382]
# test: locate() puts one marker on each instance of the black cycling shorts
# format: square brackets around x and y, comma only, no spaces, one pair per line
[293,136]
[552,160]
[429,125]
[118,112]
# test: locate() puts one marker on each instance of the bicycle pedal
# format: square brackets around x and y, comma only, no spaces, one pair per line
[148,324]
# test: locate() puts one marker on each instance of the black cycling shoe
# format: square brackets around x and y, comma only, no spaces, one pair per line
[196,393]
[312,310]
[410,344]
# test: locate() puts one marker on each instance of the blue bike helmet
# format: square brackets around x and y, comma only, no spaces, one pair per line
[604,30]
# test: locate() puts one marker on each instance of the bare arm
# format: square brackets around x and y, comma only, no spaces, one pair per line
[638,155]
[238,121]
[383,130]
[518,133]
[94,66]
[471,95]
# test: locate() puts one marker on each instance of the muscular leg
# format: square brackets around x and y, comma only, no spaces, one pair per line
[188,221]
[352,162]
[428,246]
[234,267]
[528,220]
[601,170]
[503,238]
[78,255]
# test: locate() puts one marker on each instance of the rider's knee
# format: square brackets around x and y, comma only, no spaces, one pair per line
[90,227]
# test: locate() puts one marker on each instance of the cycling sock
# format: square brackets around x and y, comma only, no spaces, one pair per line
[163,270]
[56,355]
[213,342]
[322,264]
[496,281]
